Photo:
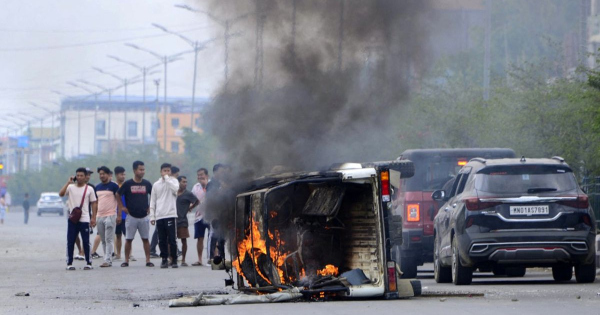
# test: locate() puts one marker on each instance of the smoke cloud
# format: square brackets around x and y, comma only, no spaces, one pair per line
[313,93]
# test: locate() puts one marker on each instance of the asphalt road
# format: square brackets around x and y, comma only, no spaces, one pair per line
[32,261]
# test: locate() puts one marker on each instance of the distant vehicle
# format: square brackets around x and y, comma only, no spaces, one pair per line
[433,169]
[505,215]
[50,202]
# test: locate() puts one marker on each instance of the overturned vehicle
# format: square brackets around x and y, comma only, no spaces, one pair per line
[323,234]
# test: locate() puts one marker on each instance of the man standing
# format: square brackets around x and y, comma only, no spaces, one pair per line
[200,226]
[216,242]
[136,191]
[163,213]
[120,229]
[108,215]
[79,196]
[26,207]
[186,200]
[154,241]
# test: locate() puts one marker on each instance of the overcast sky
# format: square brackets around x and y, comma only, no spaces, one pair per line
[46,43]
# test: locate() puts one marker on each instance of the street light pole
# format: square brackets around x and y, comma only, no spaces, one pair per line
[157,83]
[197,46]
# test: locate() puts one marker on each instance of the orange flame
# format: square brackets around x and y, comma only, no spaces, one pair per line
[329,270]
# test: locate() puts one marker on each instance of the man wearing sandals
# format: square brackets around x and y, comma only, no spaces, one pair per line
[163,213]
[79,196]
[136,191]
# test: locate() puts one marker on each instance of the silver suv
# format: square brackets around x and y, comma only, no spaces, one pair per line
[50,202]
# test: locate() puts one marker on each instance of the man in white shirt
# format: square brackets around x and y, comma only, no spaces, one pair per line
[200,227]
[80,196]
[163,213]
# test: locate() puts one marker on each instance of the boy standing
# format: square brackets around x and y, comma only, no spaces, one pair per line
[186,200]
[163,213]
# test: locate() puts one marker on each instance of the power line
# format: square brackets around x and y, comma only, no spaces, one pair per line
[91,30]
[93,43]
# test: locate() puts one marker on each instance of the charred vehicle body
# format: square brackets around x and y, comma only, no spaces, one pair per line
[328,233]
[433,169]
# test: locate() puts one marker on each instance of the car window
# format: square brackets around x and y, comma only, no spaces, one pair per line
[52,198]
[525,179]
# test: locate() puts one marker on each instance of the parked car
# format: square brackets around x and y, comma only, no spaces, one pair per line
[506,215]
[50,202]
[433,168]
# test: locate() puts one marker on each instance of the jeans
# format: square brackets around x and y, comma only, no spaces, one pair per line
[26,214]
[73,229]
[106,230]
[167,238]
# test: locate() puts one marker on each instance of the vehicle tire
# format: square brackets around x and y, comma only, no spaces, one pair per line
[461,275]
[406,168]
[499,271]
[408,266]
[417,287]
[441,274]
[562,273]
[586,273]
[515,272]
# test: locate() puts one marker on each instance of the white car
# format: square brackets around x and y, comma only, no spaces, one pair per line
[50,202]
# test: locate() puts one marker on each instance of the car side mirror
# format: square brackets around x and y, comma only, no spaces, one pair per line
[438,195]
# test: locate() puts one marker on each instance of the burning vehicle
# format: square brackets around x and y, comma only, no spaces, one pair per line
[322,234]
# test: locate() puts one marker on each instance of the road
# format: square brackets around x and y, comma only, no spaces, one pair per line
[32,261]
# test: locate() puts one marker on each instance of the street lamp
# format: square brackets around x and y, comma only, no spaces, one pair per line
[197,46]
[144,70]
[226,24]
[166,60]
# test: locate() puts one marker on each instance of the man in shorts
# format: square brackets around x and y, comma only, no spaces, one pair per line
[136,191]
[186,200]
[200,226]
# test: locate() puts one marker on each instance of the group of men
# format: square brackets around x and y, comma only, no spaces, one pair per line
[126,207]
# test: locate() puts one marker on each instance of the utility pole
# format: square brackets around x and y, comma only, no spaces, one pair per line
[341,36]
[157,123]
[294,29]
[258,62]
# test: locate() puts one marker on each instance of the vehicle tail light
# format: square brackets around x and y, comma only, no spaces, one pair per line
[391,271]
[385,186]
[582,202]
[413,212]
[470,222]
[474,204]
[587,220]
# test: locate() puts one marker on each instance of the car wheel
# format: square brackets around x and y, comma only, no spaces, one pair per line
[499,271]
[460,274]
[408,266]
[516,272]
[562,273]
[586,273]
[442,274]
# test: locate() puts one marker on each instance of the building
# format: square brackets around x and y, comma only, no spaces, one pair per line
[170,138]
[102,126]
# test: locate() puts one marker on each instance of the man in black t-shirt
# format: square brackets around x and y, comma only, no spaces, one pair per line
[136,192]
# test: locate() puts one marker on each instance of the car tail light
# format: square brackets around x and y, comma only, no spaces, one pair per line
[391,271]
[385,186]
[413,212]
[474,204]
[587,220]
[582,202]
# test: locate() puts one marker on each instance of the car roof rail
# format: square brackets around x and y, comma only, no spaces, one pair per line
[558,158]
[478,159]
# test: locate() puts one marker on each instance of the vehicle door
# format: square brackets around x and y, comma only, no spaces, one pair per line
[449,211]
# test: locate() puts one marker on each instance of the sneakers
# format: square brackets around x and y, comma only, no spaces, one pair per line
[132,258]
[164,264]
[95,255]
[183,264]
[70,267]
[174,265]
[178,253]
[88,267]
[154,255]
[105,264]
[79,257]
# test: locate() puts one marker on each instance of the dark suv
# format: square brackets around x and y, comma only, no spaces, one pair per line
[505,215]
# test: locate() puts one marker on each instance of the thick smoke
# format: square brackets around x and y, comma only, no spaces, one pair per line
[307,112]
[322,94]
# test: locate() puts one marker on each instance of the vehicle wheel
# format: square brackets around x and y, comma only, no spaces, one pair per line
[562,273]
[515,272]
[499,271]
[408,266]
[586,273]
[417,287]
[460,274]
[442,274]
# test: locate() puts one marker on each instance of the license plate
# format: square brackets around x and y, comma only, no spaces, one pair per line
[529,210]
